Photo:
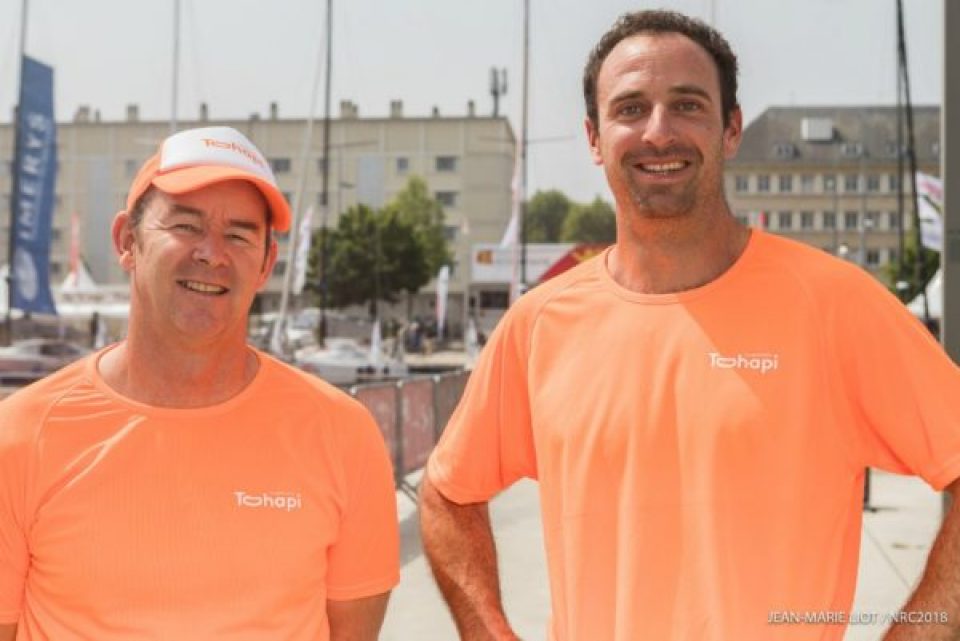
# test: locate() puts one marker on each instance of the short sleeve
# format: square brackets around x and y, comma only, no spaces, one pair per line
[904,386]
[365,560]
[488,442]
[14,553]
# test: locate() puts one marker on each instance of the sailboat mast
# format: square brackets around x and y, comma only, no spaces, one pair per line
[176,67]
[523,145]
[293,240]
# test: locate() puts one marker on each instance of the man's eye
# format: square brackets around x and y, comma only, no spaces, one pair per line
[240,238]
[689,105]
[187,227]
[629,110]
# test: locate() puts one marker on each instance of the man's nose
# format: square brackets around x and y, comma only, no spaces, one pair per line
[659,132]
[211,249]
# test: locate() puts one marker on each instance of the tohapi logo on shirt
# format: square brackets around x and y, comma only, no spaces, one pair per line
[762,363]
[286,501]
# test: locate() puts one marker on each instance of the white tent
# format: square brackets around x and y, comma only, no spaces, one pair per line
[5,295]
[934,298]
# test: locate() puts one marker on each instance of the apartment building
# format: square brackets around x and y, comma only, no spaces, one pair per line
[829,177]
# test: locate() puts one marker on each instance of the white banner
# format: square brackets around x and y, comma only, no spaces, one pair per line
[930,209]
[302,255]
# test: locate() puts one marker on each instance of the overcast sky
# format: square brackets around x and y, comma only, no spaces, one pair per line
[239,55]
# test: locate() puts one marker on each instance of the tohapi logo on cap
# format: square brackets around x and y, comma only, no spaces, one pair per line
[232,146]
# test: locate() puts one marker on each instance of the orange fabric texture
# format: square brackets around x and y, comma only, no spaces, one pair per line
[237,521]
[701,455]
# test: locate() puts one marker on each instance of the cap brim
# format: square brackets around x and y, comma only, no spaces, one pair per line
[189,179]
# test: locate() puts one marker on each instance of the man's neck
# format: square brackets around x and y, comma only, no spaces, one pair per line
[176,376]
[663,256]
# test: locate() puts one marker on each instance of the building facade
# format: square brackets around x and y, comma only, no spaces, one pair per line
[829,177]
[467,162]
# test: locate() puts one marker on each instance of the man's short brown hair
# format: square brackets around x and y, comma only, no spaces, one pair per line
[664,22]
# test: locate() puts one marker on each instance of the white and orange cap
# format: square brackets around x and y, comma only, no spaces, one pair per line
[195,158]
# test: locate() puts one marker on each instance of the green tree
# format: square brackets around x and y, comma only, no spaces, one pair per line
[373,256]
[416,207]
[893,274]
[544,216]
[593,223]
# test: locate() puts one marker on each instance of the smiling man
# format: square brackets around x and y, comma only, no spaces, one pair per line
[698,403]
[180,484]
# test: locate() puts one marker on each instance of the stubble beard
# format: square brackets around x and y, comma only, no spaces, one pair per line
[664,202]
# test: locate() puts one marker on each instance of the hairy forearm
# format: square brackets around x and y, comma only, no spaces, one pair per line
[459,544]
[937,597]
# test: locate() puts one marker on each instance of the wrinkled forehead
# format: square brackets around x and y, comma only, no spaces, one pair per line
[223,202]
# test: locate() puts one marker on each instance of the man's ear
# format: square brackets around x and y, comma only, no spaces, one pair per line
[733,134]
[269,261]
[124,239]
[593,139]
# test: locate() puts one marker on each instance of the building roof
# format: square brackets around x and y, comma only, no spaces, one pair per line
[824,134]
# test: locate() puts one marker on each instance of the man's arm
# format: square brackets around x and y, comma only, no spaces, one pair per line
[8,631]
[355,619]
[938,594]
[459,544]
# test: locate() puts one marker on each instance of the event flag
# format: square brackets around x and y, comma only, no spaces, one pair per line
[35,174]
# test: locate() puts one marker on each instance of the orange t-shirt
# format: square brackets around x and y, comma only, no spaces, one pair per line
[238,521]
[701,455]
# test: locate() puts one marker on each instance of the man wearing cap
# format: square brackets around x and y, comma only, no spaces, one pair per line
[180,484]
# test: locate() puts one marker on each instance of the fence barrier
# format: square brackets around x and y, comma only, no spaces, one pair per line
[411,414]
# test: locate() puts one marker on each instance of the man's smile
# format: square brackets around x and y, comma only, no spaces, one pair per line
[203,288]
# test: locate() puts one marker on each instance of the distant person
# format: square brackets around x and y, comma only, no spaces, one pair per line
[181,484]
[699,402]
[94,328]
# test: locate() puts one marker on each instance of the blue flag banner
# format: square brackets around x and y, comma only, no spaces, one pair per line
[35,174]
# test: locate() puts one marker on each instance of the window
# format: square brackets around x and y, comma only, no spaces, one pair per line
[786,183]
[403,165]
[873,257]
[872,219]
[446,198]
[829,220]
[806,183]
[873,182]
[130,167]
[321,165]
[763,183]
[494,300]
[743,219]
[806,220]
[450,232]
[893,220]
[829,182]
[279,268]
[784,150]
[446,163]
[851,182]
[850,220]
[851,149]
[742,183]
[784,220]
[288,196]
[280,165]
[893,182]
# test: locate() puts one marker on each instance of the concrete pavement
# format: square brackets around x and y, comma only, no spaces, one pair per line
[896,540]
